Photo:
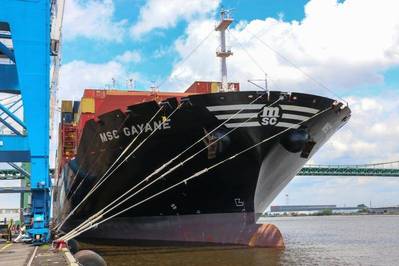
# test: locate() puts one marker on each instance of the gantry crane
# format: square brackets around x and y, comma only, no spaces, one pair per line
[30,32]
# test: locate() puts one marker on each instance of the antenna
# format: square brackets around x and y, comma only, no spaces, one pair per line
[130,84]
[253,82]
[153,87]
[223,52]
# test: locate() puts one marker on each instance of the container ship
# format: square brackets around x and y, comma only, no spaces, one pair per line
[258,140]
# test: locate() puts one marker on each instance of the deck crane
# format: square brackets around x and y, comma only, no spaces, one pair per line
[30,33]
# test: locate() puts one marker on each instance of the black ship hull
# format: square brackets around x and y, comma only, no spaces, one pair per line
[228,199]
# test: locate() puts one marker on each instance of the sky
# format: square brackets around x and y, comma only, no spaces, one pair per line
[351,47]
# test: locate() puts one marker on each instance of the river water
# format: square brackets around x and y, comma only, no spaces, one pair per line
[317,240]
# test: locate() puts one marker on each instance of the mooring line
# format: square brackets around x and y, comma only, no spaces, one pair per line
[99,217]
[126,149]
[96,215]
[103,178]
[84,159]
[205,170]
[123,161]
[160,84]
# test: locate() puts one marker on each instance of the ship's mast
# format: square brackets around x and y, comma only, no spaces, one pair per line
[223,52]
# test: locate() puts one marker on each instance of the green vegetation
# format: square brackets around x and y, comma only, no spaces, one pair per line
[324,212]
[363,208]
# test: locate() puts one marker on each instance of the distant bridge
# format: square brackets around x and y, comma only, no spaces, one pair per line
[388,169]
[378,169]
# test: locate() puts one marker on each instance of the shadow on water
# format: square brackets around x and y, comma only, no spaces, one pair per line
[147,253]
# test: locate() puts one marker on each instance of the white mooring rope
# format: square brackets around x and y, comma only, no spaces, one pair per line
[105,176]
[187,149]
[95,222]
[102,212]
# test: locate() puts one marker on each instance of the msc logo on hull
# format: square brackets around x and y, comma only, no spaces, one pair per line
[269,116]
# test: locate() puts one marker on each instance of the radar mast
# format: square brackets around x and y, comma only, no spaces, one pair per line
[223,52]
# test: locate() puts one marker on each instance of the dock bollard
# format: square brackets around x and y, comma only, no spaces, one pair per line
[89,258]
[59,244]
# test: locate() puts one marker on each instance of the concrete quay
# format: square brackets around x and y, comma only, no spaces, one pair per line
[19,254]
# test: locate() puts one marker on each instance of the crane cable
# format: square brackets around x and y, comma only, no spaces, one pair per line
[205,170]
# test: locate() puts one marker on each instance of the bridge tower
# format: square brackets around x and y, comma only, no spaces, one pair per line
[25,48]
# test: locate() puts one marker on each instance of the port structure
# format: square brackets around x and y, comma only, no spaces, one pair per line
[30,31]
[10,174]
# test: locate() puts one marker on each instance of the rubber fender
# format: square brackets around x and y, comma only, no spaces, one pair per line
[295,140]
[89,258]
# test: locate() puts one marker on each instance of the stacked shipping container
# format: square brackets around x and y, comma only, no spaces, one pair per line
[210,87]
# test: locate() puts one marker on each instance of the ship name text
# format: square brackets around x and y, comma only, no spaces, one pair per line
[135,130]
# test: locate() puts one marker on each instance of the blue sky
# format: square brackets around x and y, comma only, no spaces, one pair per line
[351,46]
[100,48]
[83,48]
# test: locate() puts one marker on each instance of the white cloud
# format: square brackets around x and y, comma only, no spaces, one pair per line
[79,75]
[341,44]
[160,14]
[371,134]
[129,57]
[92,19]
[162,51]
